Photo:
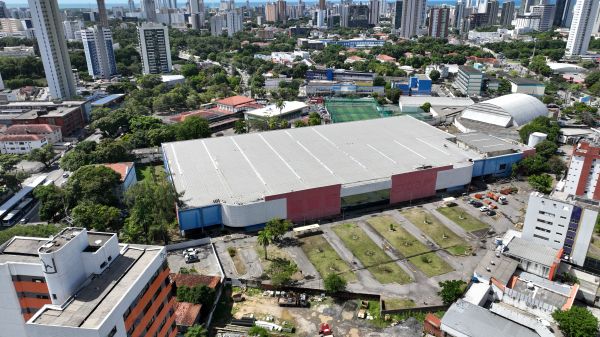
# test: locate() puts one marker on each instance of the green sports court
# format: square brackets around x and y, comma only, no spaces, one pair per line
[354,109]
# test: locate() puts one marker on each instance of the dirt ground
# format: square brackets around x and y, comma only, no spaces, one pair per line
[341,316]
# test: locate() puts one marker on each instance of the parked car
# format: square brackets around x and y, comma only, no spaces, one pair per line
[477,204]
[491,212]
[190,258]
[484,209]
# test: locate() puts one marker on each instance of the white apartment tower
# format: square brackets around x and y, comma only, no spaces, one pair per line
[155,48]
[51,40]
[411,17]
[561,224]
[99,53]
[149,10]
[374,12]
[84,284]
[72,29]
[585,13]
[197,14]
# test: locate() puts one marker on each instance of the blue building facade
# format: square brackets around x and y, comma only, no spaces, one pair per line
[417,85]
[500,166]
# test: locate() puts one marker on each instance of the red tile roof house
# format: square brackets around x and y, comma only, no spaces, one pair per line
[21,144]
[187,314]
[223,114]
[52,133]
[385,58]
[127,172]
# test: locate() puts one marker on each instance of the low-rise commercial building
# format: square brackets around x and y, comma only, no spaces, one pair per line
[68,115]
[527,86]
[84,284]
[341,75]
[289,111]
[469,81]
[584,171]
[327,88]
[52,133]
[21,144]
[419,84]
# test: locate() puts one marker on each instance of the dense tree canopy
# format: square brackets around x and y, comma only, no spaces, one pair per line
[576,322]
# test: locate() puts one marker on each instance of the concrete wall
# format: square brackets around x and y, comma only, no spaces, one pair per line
[493,166]
[254,213]
[414,185]
[311,203]
[456,177]
[199,217]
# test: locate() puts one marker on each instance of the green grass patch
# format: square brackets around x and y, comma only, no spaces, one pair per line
[398,237]
[404,242]
[325,259]
[380,322]
[398,303]
[431,264]
[370,255]
[143,172]
[433,227]
[462,218]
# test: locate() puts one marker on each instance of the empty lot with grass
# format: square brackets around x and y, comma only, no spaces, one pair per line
[440,234]
[325,259]
[370,255]
[431,264]
[462,218]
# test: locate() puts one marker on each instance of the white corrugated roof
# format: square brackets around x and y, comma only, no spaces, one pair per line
[507,110]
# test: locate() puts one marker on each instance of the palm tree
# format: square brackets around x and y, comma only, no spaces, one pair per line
[264,239]
[279,104]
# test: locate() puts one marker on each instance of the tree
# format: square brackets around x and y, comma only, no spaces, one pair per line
[379,81]
[434,75]
[546,149]
[193,127]
[299,123]
[264,239]
[149,81]
[40,231]
[533,165]
[240,126]
[8,162]
[556,165]
[541,182]
[257,331]
[277,227]
[151,209]
[52,202]
[200,294]
[196,331]
[451,290]
[44,155]
[576,322]
[279,104]
[314,118]
[426,107]
[539,66]
[281,271]
[93,183]
[504,87]
[189,70]
[334,283]
[540,124]
[96,216]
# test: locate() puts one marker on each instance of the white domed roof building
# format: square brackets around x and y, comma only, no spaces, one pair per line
[502,115]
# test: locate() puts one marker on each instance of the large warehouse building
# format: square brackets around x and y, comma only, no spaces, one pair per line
[309,173]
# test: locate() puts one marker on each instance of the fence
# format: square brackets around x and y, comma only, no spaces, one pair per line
[188,244]
[426,309]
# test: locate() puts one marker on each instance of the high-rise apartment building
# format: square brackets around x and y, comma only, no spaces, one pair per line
[585,13]
[439,19]
[546,14]
[492,9]
[72,29]
[81,283]
[131,5]
[229,21]
[561,224]
[281,11]
[271,12]
[99,53]
[558,15]
[51,40]
[149,10]
[411,17]
[507,14]
[374,12]
[584,171]
[155,48]
[197,14]
[397,18]
[102,15]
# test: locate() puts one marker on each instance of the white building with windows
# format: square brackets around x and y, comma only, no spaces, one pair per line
[84,284]
[99,53]
[73,29]
[561,224]
[51,40]
[155,48]
[585,13]
[21,144]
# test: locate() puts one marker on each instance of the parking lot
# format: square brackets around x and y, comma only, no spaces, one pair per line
[403,253]
[207,263]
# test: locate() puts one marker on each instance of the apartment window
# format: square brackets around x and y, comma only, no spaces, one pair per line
[502,167]
[540,237]
[54,296]
[112,332]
